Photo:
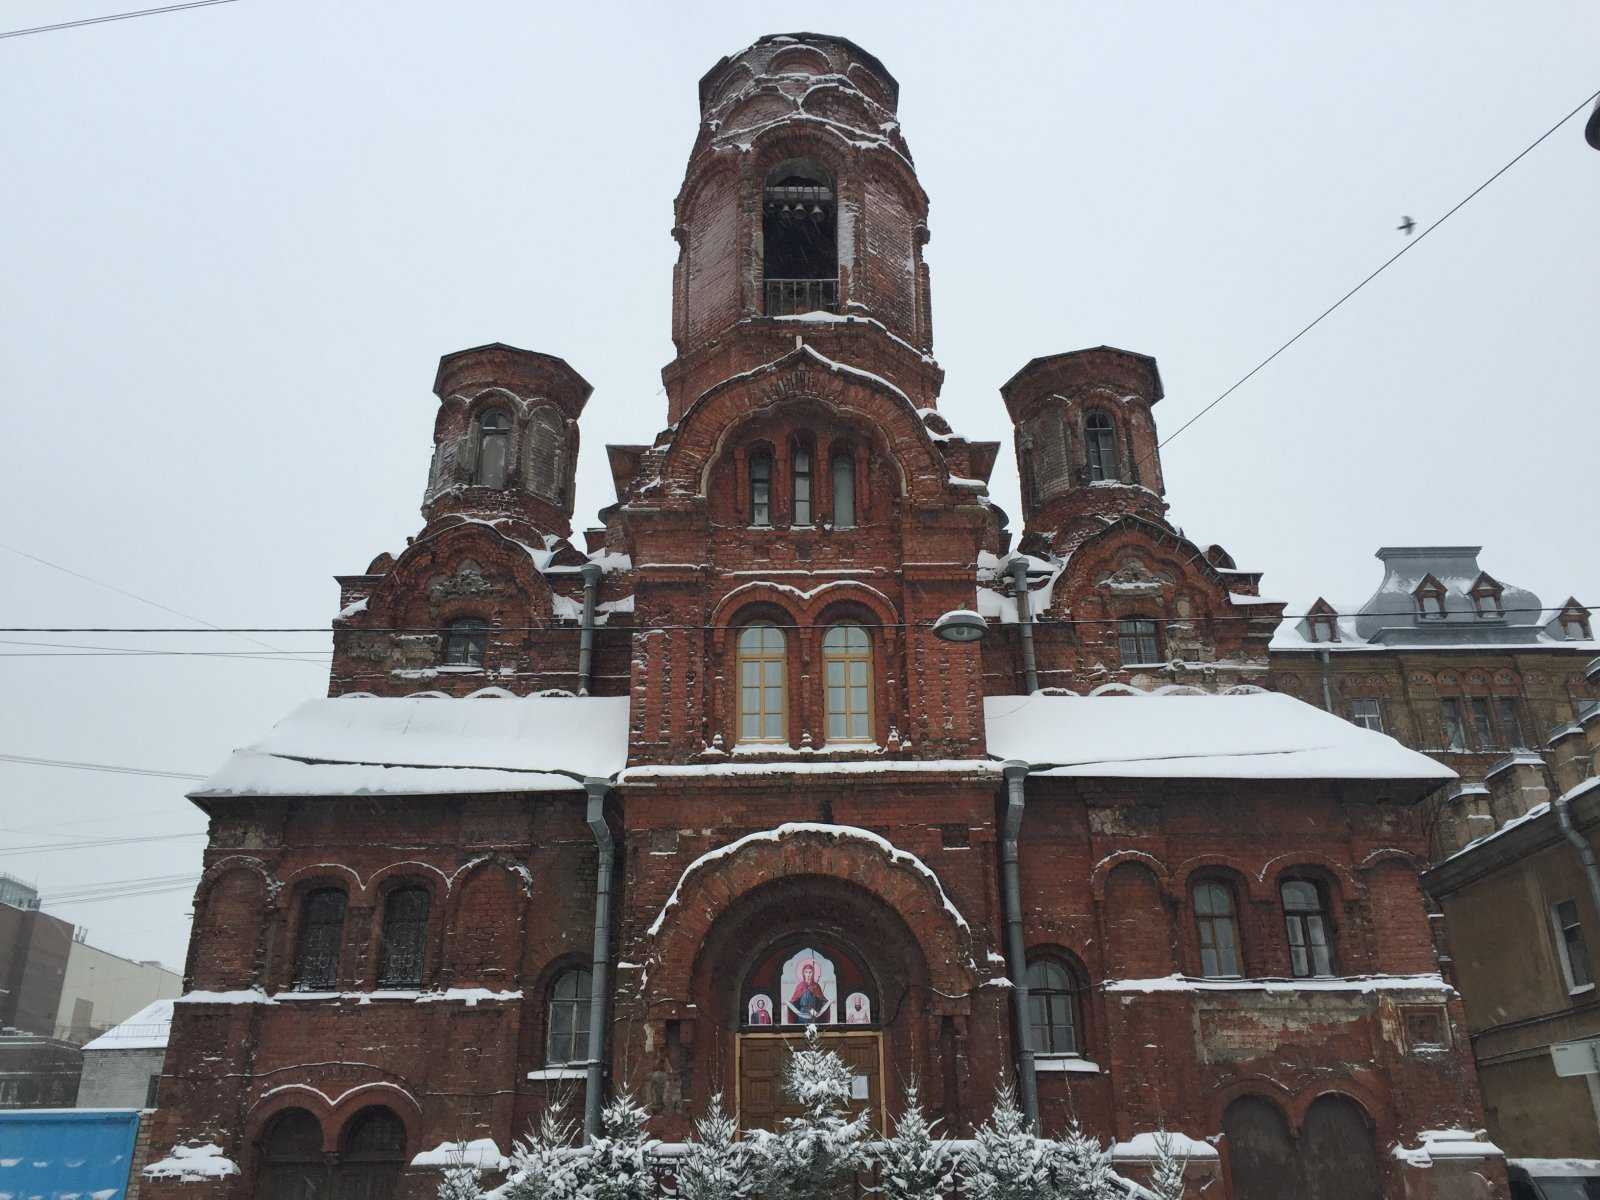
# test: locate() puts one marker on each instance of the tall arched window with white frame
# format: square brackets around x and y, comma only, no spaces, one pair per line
[847,682]
[763,700]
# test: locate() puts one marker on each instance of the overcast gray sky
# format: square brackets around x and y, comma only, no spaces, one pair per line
[237,239]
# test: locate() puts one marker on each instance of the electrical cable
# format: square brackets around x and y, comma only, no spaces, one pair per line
[122,16]
[98,843]
[77,765]
[1406,249]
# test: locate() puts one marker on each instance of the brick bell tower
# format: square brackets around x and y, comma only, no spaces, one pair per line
[800,202]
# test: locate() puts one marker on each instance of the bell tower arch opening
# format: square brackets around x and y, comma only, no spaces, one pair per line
[799,239]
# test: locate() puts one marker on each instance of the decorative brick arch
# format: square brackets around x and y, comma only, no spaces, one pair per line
[1394,854]
[401,599]
[1273,870]
[1256,890]
[805,608]
[333,1113]
[1103,868]
[897,879]
[1379,1116]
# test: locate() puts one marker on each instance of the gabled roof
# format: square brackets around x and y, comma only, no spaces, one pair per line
[147,1029]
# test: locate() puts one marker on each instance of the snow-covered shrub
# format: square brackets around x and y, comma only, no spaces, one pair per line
[717,1166]
[546,1165]
[1082,1167]
[617,1165]
[1006,1161]
[914,1164]
[459,1182]
[817,1154]
[1166,1173]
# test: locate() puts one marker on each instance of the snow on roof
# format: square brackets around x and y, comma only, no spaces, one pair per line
[1262,735]
[147,1029]
[410,745]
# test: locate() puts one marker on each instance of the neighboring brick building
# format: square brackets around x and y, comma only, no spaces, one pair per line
[736,764]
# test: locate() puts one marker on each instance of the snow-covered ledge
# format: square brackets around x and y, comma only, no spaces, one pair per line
[192,1164]
[482,1153]
[577,1072]
[1142,1147]
[1064,1062]
[1440,1146]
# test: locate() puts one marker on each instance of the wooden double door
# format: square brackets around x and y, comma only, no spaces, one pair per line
[763,1057]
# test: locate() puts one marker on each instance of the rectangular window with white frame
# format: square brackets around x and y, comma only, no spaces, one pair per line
[1368,714]
[1572,946]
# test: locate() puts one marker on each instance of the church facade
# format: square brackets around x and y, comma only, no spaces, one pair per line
[805,733]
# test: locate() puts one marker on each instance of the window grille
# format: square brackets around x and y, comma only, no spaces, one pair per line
[373,1156]
[321,940]
[293,1165]
[1139,642]
[847,659]
[405,931]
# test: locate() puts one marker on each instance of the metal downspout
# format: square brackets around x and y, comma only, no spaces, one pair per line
[598,790]
[1327,696]
[1018,565]
[591,586]
[1016,774]
[1581,844]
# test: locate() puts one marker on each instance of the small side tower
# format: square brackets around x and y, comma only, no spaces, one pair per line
[505,444]
[1086,442]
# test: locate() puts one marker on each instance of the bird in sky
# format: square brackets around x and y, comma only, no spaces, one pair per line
[1406,226]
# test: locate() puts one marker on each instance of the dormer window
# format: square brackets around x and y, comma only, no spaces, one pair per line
[1323,622]
[1102,442]
[1485,593]
[1429,597]
[494,448]
[1574,621]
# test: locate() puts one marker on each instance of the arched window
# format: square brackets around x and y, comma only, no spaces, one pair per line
[1102,444]
[374,1152]
[404,937]
[465,642]
[762,689]
[1139,641]
[292,1162]
[494,448]
[1053,1008]
[316,959]
[1310,940]
[843,469]
[801,470]
[547,455]
[567,1027]
[761,488]
[847,663]
[799,239]
[1218,927]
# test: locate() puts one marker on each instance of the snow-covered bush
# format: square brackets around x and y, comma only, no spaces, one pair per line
[460,1182]
[817,1154]
[717,1166]
[1166,1173]
[913,1164]
[1082,1167]
[546,1165]
[1006,1161]
[616,1166]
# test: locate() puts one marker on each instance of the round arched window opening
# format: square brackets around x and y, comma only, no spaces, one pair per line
[800,256]
[808,980]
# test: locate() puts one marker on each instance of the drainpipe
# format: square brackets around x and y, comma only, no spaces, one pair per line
[1581,844]
[591,586]
[1018,566]
[1016,774]
[598,789]
[1327,696]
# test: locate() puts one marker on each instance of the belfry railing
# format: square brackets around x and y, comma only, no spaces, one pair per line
[786,297]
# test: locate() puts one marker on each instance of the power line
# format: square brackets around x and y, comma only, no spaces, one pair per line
[111,650]
[1406,249]
[122,16]
[98,843]
[92,766]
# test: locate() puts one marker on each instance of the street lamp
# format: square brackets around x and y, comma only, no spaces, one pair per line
[959,625]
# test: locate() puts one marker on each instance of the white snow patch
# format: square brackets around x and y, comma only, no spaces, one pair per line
[470,996]
[351,609]
[147,1029]
[1143,1146]
[1069,1063]
[190,1164]
[482,1153]
[793,828]
[1444,1144]
[1355,984]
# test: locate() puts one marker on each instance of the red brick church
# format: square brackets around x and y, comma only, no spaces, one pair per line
[805,732]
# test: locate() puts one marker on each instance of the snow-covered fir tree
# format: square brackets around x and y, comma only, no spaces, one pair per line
[717,1165]
[617,1165]
[1006,1161]
[817,1154]
[914,1164]
[460,1182]
[546,1165]
[1166,1173]
[1082,1167]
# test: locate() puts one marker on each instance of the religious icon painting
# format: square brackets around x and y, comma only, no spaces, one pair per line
[810,989]
[760,1011]
[857,1009]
